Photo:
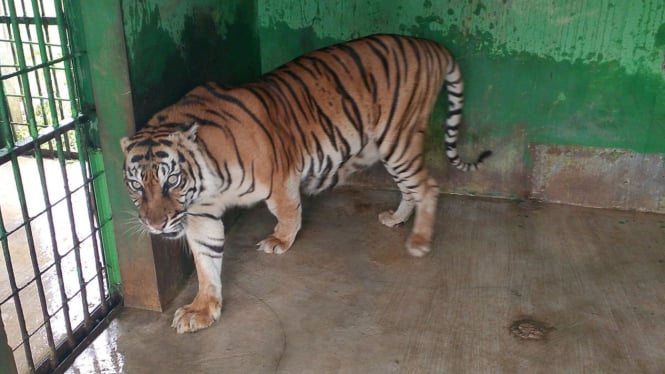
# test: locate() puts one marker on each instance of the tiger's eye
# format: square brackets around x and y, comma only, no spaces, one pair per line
[172,180]
[135,185]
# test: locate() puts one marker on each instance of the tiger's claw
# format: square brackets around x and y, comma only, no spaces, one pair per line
[272,245]
[197,315]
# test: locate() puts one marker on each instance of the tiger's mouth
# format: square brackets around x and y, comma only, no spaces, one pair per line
[173,231]
[173,235]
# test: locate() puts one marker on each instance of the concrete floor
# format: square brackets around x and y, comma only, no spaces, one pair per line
[588,285]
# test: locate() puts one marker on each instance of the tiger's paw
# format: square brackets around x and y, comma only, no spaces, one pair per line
[272,245]
[201,313]
[417,246]
[388,218]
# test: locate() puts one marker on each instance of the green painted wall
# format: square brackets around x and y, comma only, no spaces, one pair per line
[173,45]
[571,72]
[564,73]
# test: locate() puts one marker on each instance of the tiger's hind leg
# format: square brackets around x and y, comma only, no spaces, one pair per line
[419,193]
[392,218]
[284,204]
[367,157]
[419,242]
[422,196]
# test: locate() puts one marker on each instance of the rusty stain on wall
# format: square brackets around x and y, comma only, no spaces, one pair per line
[598,177]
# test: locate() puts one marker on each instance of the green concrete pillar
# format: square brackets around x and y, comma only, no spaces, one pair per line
[151,270]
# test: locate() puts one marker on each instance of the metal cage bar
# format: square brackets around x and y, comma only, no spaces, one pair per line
[32,126]
[61,159]
[43,68]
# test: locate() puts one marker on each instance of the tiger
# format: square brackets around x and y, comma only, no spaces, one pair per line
[301,128]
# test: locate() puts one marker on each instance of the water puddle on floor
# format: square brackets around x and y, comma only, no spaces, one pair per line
[46,240]
[102,356]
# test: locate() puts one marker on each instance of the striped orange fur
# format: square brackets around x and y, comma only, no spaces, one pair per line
[305,126]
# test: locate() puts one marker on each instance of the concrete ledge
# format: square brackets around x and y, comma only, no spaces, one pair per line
[598,177]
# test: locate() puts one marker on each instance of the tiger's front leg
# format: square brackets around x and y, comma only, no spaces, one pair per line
[205,236]
[284,204]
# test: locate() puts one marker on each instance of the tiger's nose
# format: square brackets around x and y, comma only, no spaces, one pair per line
[155,226]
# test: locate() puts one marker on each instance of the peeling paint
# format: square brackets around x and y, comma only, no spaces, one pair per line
[187,43]
[594,31]
[170,16]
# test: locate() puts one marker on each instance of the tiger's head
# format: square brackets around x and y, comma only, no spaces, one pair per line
[160,175]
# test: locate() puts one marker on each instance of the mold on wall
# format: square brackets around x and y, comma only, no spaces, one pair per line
[566,30]
[174,45]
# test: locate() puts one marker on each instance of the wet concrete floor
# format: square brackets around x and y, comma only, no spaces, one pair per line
[508,287]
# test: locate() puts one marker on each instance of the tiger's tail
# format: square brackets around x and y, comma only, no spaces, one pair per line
[455,88]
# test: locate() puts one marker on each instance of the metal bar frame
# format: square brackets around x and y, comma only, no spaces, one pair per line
[54,135]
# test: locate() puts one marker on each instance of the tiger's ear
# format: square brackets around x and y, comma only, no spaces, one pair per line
[191,131]
[124,143]
[186,132]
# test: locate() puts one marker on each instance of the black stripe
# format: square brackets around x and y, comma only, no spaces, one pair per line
[272,179]
[199,170]
[147,142]
[212,247]
[229,134]
[327,126]
[384,62]
[359,63]
[228,180]
[393,105]
[346,146]
[346,97]
[374,88]
[407,164]
[192,99]
[325,172]
[319,153]
[331,52]
[398,41]
[235,101]
[377,39]
[263,96]
[453,93]
[408,118]
[251,186]
[289,101]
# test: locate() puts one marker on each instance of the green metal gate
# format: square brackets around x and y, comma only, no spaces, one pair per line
[59,277]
